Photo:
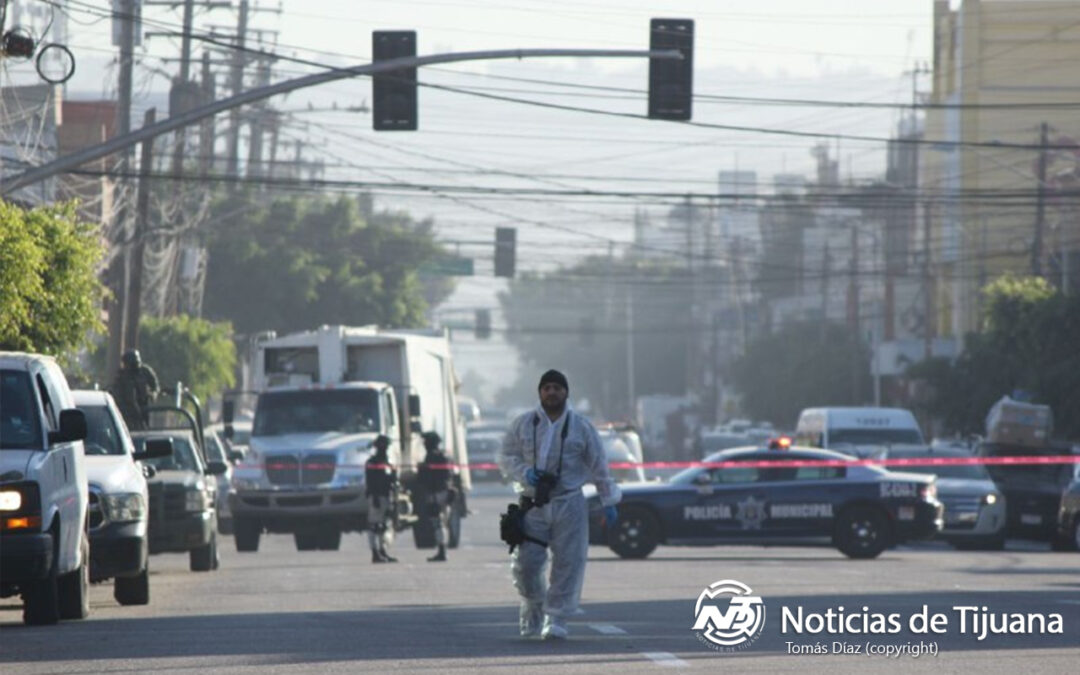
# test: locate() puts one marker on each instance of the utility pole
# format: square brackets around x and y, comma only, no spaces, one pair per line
[853,306]
[236,80]
[1040,204]
[206,128]
[631,384]
[826,263]
[119,269]
[928,288]
[142,215]
[259,115]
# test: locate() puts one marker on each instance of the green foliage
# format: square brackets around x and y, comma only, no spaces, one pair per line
[199,353]
[50,295]
[576,320]
[1028,342]
[300,262]
[800,366]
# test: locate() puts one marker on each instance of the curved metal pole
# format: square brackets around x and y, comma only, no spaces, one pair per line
[75,159]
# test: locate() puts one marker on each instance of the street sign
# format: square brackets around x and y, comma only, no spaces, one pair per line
[448,266]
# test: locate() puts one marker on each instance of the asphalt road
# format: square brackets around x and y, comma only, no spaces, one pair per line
[280,611]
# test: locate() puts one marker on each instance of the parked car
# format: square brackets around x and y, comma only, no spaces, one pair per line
[1068,534]
[216,452]
[183,516]
[483,448]
[44,542]
[118,505]
[974,507]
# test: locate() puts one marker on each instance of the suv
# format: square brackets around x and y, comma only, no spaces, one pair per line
[118,499]
[44,542]
[183,492]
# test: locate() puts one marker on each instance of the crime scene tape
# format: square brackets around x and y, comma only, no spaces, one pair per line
[758,464]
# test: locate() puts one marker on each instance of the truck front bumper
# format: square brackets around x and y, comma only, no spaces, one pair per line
[118,550]
[183,533]
[25,557]
[281,510]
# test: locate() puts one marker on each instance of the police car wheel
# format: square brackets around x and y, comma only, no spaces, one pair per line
[862,532]
[636,534]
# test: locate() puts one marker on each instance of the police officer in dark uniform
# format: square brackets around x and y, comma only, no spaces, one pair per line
[135,387]
[380,478]
[437,481]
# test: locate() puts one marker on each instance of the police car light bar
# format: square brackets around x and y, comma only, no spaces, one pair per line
[780,443]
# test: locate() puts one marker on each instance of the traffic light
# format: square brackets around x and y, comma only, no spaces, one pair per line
[505,251]
[671,81]
[393,93]
[483,324]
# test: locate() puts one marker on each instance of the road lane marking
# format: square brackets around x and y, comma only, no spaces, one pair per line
[607,629]
[665,659]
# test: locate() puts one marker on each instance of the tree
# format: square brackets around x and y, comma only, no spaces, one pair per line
[50,296]
[1027,343]
[576,320]
[301,262]
[199,353]
[800,366]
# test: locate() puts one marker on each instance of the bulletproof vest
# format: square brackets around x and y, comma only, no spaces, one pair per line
[436,479]
[379,479]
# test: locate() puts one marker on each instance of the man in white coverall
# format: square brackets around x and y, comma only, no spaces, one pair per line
[550,453]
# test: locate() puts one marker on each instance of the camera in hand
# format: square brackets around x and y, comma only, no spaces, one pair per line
[544,485]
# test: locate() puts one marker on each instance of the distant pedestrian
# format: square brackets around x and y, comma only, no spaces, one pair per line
[135,388]
[436,478]
[380,478]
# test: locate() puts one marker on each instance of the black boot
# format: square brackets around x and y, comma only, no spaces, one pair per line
[377,557]
[440,556]
[386,557]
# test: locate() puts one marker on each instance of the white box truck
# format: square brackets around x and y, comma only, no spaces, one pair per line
[323,397]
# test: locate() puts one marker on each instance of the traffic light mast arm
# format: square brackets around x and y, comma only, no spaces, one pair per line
[119,143]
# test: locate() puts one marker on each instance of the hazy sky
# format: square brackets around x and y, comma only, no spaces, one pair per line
[806,49]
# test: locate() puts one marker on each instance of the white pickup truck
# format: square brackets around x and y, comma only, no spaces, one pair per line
[44,529]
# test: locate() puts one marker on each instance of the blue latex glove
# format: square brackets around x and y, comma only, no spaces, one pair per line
[532,476]
[611,516]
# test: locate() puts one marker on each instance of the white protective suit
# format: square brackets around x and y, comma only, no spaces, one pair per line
[563,522]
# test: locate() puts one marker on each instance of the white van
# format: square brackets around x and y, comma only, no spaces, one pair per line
[866,432]
[44,538]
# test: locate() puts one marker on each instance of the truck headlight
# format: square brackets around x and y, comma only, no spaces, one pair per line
[990,498]
[125,507]
[238,484]
[350,478]
[195,500]
[10,500]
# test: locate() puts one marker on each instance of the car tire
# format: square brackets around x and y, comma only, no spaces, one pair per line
[133,590]
[74,588]
[329,539]
[246,533]
[204,558]
[306,541]
[636,535]
[41,600]
[225,525]
[862,532]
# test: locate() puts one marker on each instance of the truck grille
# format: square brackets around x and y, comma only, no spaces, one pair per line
[318,469]
[313,469]
[96,509]
[166,502]
[283,470]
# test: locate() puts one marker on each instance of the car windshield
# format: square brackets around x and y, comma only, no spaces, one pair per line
[347,411]
[102,436]
[181,459]
[20,427]
[875,436]
[968,471]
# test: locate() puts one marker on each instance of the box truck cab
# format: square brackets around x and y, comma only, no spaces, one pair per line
[864,432]
[323,398]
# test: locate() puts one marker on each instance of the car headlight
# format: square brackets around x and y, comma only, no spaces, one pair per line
[10,500]
[195,500]
[125,507]
[990,498]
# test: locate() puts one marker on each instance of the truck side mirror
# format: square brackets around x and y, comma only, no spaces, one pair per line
[229,431]
[72,427]
[216,468]
[154,447]
[228,412]
[414,405]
